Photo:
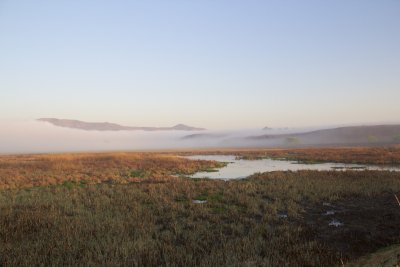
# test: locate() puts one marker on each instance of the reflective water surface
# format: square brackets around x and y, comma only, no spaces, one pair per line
[237,169]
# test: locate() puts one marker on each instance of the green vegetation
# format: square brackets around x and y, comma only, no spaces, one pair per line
[210,170]
[396,138]
[251,156]
[292,140]
[69,184]
[138,173]
[372,139]
[202,196]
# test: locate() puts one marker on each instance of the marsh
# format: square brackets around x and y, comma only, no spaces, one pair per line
[237,168]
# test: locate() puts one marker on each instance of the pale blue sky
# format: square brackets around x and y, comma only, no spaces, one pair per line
[215,64]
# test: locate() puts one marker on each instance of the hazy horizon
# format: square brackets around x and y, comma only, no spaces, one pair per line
[212,64]
[32,136]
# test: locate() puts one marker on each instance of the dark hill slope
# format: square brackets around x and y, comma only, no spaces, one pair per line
[353,135]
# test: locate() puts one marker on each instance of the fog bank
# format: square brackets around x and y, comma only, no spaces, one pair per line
[30,136]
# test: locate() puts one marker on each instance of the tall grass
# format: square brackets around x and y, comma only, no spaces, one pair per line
[38,170]
[157,224]
[132,209]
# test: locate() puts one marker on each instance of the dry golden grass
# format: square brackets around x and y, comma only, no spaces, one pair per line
[51,169]
[157,224]
[363,155]
[127,209]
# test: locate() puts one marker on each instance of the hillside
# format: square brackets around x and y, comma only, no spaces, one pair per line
[353,135]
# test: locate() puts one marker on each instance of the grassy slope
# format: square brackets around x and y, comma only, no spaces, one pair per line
[352,135]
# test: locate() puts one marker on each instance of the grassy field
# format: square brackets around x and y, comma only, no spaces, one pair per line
[131,209]
[19,171]
[361,155]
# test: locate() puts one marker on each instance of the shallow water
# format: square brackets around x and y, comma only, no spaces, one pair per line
[237,169]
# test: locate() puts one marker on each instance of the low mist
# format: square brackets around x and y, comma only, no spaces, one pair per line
[31,136]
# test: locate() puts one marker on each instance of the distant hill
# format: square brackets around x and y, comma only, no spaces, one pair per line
[202,136]
[352,135]
[106,126]
[183,127]
[270,128]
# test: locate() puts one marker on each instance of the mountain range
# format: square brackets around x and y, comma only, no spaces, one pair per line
[107,126]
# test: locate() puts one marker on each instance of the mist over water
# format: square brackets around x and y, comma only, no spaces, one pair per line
[242,168]
[31,136]
[36,137]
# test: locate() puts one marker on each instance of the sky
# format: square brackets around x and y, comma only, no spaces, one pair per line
[218,64]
